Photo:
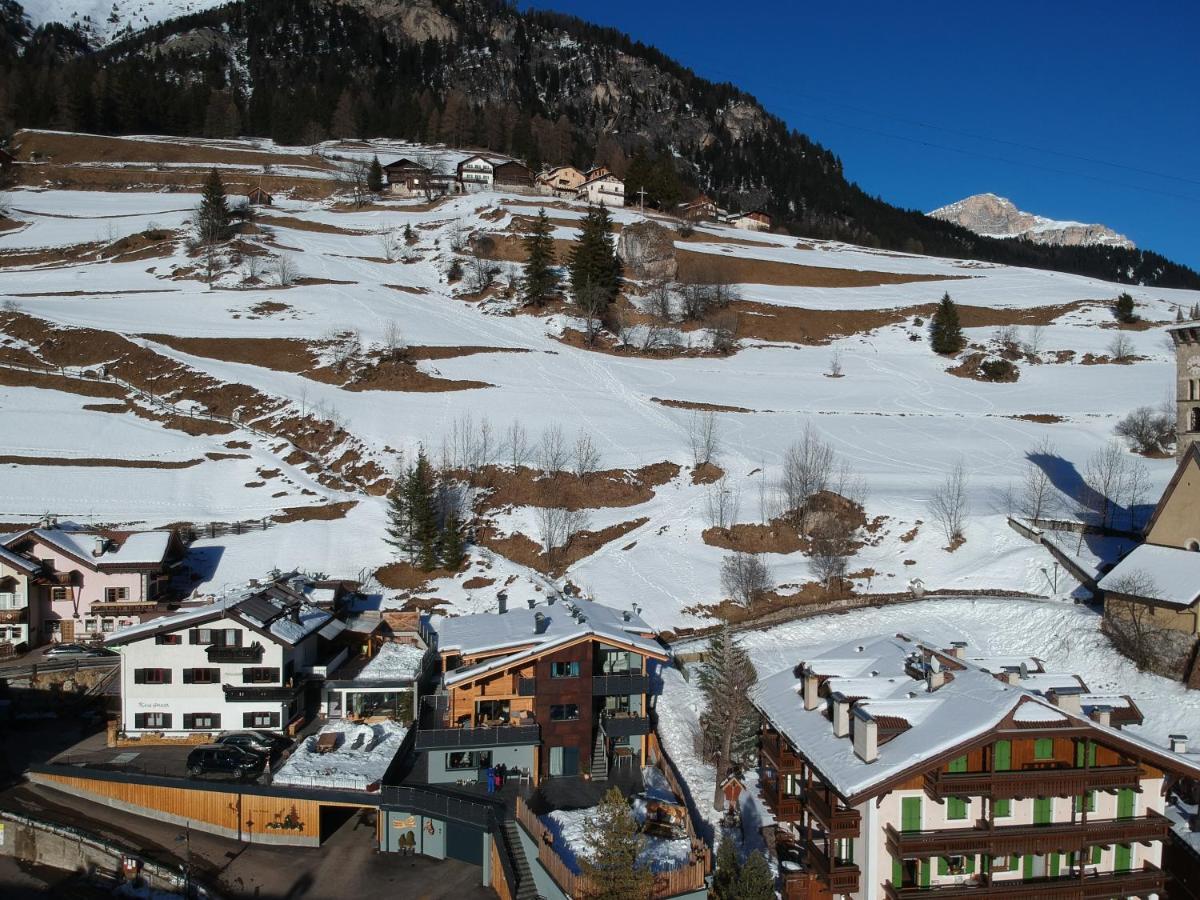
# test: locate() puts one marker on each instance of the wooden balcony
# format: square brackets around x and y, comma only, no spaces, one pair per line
[624,683]
[1024,783]
[839,821]
[839,877]
[1150,880]
[250,654]
[17,616]
[618,725]
[780,752]
[1000,840]
[128,608]
[783,807]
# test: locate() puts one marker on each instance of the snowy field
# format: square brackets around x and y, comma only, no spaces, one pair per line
[897,417]
[1065,636]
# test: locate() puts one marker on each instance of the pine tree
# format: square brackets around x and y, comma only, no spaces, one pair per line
[613,845]
[729,723]
[212,218]
[451,543]
[728,869]
[540,277]
[375,176]
[1123,308]
[755,881]
[399,527]
[593,261]
[422,512]
[945,334]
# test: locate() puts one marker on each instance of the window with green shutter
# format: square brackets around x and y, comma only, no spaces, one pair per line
[1125,801]
[1027,867]
[969,865]
[1001,809]
[1097,853]
[1123,858]
[956,808]
[1003,756]
[910,814]
[1043,748]
[1086,801]
[1052,865]
[943,866]
[1043,811]
[957,765]
[926,871]
[897,872]
[1085,753]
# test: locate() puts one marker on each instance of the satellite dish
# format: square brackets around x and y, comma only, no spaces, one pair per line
[935,664]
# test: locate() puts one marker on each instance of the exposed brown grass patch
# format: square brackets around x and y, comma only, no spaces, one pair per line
[703,267]
[527,552]
[1040,418]
[706,407]
[49,381]
[98,462]
[404,576]
[746,537]
[113,408]
[597,490]
[707,473]
[325,512]
[408,289]
[478,582]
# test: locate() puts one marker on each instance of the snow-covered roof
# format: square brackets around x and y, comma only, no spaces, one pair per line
[921,724]
[528,635]
[274,610]
[393,661]
[1166,574]
[17,561]
[142,548]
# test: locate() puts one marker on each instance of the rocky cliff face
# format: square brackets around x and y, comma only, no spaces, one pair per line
[992,216]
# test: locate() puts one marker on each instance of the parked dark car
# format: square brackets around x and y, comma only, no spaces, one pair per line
[274,740]
[78,650]
[225,760]
[247,741]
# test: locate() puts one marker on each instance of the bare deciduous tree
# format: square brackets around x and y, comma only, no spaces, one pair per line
[1036,497]
[722,504]
[1135,628]
[251,267]
[949,503]
[745,577]
[516,445]
[586,457]
[589,302]
[723,327]
[704,438]
[808,466]
[457,236]
[284,268]
[835,365]
[1120,348]
[553,455]
[389,244]
[831,545]
[1148,430]
[1104,479]
[344,349]
[395,347]
[557,525]
[659,302]
[1035,337]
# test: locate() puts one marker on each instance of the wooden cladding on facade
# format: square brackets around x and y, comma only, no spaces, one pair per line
[559,691]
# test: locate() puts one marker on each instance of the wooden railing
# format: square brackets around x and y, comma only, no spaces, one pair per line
[673,882]
[1021,783]
[1149,880]
[840,877]
[839,821]
[1021,839]
[780,752]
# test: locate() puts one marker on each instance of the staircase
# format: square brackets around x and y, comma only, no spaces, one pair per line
[526,890]
[599,770]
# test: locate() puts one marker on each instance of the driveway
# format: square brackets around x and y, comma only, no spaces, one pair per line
[347,865]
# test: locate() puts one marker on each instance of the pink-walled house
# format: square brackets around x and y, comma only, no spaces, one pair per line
[88,583]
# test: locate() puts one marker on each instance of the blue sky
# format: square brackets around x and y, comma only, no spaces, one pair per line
[1081,111]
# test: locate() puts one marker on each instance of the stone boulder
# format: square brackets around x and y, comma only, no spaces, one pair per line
[648,251]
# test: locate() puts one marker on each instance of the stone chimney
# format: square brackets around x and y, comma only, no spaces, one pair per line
[532,601]
[1178,743]
[99,545]
[839,707]
[1067,699]
[866,736]
[502,603]
[811,686]
[540,622]
[1012,676]
[1102,715]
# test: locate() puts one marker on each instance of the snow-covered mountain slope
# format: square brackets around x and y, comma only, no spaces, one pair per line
[104,277]
[992,216]
[107,20]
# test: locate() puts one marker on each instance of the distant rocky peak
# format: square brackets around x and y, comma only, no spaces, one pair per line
[993,216]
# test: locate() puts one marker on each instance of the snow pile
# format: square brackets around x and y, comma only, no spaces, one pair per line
[361,758]
[570,830]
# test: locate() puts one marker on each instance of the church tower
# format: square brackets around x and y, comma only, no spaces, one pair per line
[1186,336]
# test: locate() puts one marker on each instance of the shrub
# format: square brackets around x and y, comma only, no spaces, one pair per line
[999,370]
[1148,430]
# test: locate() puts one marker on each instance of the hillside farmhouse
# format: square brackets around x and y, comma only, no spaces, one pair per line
[603,190]
[406,178]
[750,221]
[561,181]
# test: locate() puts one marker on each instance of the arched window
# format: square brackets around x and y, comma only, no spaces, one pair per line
[1194,419]
[1194,546]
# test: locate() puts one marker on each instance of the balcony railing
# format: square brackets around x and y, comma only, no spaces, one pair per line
[1150,880]
[270,693]
[218,654]
[1001,840]
[839,821]
[1022,783]
[783,806]
[451,738]
[11,616]
[841,877]
[625,725]
[128,607]
[626,683]
[780,752]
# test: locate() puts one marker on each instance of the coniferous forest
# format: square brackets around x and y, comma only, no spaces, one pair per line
[541,86]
